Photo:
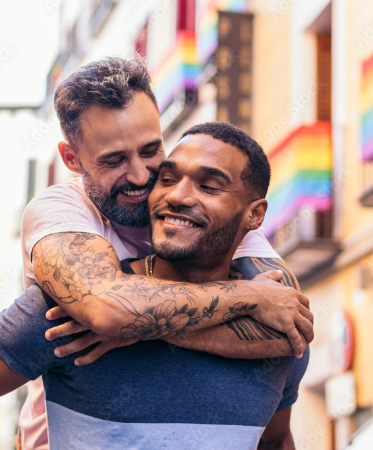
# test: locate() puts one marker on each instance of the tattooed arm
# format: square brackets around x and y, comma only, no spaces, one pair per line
[81,271]
[243,337]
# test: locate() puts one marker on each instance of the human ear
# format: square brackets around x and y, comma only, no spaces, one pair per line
[255,213]
[69,157]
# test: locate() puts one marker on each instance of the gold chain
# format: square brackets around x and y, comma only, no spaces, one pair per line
[149,265]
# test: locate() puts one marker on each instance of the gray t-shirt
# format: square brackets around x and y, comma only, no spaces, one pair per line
[149,395]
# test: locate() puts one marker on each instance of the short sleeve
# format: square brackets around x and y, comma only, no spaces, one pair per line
[290,392]
[255,244]
[57,209]
[23,346]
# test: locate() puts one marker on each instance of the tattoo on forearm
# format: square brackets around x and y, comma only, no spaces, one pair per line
[74,263]
[166,320]
[248,329]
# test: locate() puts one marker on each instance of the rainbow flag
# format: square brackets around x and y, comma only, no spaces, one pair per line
[301,174]
[179,69]
[207,24]
[366,103]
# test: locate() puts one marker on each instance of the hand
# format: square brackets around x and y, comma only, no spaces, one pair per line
[66,329]
[284,309]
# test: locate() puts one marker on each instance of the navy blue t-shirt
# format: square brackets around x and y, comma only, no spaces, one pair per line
[149,395]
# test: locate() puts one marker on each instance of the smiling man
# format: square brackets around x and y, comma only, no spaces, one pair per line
[74,234]
[209,195]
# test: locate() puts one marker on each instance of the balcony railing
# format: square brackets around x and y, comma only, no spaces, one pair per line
[366,197]
[305,241]
[299,218]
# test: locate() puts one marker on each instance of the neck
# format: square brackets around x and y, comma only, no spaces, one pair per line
[193,271]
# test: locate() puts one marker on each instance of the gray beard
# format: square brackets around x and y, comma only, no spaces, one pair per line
[136,216]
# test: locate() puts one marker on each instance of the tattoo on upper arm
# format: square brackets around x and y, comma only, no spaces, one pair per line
[73,262]
[245,327]
[250,267]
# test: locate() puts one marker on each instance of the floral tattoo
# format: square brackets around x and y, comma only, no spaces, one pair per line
[69,260]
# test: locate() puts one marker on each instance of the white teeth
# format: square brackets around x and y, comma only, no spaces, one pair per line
[184,223]
[130,193]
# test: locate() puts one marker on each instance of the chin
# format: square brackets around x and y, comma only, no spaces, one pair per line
[169,252]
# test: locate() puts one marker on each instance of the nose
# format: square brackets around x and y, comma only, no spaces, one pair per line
[137,173]
[182,193]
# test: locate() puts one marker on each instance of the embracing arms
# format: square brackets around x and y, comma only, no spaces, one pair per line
[81,271]
[244,337]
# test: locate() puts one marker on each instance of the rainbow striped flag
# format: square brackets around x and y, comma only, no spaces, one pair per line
[301,174]
[366,103]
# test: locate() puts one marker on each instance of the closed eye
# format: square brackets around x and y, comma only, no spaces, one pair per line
[149,153]
[166,181]
[211,189]
[115,163]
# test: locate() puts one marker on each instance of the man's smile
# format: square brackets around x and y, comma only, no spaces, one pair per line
[135,196]
[173,221]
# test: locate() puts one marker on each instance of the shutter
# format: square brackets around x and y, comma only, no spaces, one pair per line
[324,77]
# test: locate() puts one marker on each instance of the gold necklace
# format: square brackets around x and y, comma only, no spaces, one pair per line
[149,265]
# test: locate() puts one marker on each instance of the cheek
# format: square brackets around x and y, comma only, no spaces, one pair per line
[155,199]
[113,176]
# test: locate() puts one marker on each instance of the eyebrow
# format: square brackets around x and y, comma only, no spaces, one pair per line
[109,155]
[167,164]
[216,173]
[213,171]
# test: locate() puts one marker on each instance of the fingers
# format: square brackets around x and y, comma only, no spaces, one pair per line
[66,329]
[306,313]
[56,313]
[93,355]
[295,341]
[304,300]
[275,275]
[306,328]
[77,345]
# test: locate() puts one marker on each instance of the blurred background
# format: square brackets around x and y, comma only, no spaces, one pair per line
[298,76]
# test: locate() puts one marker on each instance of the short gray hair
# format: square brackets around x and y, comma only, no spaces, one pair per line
[109,83]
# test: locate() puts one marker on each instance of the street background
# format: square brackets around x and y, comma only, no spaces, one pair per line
[295,74]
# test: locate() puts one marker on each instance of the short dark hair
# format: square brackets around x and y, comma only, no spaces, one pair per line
[109,83]
[256,174]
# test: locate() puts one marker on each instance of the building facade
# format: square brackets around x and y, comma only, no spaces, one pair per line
[298,76]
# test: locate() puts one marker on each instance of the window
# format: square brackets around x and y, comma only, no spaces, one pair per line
[324,77]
